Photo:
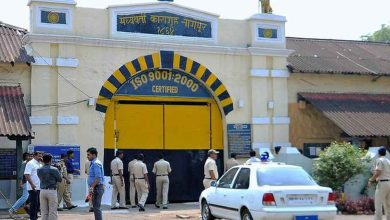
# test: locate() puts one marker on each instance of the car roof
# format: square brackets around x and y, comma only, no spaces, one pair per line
[266,165]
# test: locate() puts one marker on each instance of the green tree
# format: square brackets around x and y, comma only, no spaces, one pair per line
[337,164]
[381,35]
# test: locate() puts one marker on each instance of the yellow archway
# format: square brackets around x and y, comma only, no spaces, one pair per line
[164,60]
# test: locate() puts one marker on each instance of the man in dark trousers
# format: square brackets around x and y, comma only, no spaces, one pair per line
[49,177]
[33,186]
[71,171]
[95,182]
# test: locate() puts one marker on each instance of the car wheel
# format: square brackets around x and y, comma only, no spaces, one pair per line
[206,213]
[246,215]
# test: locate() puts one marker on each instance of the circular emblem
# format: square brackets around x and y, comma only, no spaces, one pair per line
[53,17]
[267,33]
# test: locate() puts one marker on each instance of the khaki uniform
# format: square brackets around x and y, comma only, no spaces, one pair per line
[87,166]
[118,185]
[141,186]
[382,192]
[62,186]
[210,165]
[162,168]
[231,163]
[132,183]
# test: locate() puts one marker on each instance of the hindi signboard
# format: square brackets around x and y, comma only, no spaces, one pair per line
[239,138]
[163,23]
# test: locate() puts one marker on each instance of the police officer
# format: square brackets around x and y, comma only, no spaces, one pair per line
[49,177]
[71,170]
[161,169]
[118,184]
[231,162]
[63,184]
[382,192]
[210,168]
[132,183]
[141,182]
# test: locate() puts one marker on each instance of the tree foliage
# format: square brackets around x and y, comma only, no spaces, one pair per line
[381,35]
[337,164]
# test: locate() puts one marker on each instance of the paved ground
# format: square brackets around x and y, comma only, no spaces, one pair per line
[187,210]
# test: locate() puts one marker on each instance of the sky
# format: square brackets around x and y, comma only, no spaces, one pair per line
[331,19]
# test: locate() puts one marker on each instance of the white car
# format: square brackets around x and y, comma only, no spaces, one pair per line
[267,191]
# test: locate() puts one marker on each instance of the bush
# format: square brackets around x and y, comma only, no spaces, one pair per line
[364,206]
[337,164]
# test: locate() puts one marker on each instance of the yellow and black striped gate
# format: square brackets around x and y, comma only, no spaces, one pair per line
[170,104]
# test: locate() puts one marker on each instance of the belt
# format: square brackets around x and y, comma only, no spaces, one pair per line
[139,178]
[162,175]
[384,180]
[115,174]
[207,178]
[70,172]
[49,188]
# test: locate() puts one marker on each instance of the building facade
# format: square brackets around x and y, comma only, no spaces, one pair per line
[157,78]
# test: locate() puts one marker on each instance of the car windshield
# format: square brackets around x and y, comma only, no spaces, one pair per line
[284,176]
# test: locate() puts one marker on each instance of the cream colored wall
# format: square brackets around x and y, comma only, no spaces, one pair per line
[14,75]
[229,58]
[91,22]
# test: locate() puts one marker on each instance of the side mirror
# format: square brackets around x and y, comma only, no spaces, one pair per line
[213,183]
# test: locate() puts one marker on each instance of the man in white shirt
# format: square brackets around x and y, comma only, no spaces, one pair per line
[33,185]
[210,168]
[253,157]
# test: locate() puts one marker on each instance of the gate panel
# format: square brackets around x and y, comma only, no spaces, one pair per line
[139,126]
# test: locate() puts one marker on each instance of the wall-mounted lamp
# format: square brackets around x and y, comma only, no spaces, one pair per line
[91,102]
[241,103]
[271,104]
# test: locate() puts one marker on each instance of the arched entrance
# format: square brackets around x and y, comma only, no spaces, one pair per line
[165,103]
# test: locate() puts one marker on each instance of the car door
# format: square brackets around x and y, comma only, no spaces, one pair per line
[218,204]
[239,194]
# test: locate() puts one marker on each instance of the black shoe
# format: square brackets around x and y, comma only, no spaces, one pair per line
[90,209]
[165,207]
[133,206]
[60,210]
[121,207]
[157,206]
[112,208]
[141,208]
[71,207]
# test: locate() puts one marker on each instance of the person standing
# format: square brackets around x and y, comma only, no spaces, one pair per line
[63,184]
[210,168]
[118,184]
[33,185]
[382,192]
[22,184]
[95,182]
[130,168]
[253,157]
[49,176]
[231,162]
[161,169]
[87,166]
[71,171]
[141,182]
